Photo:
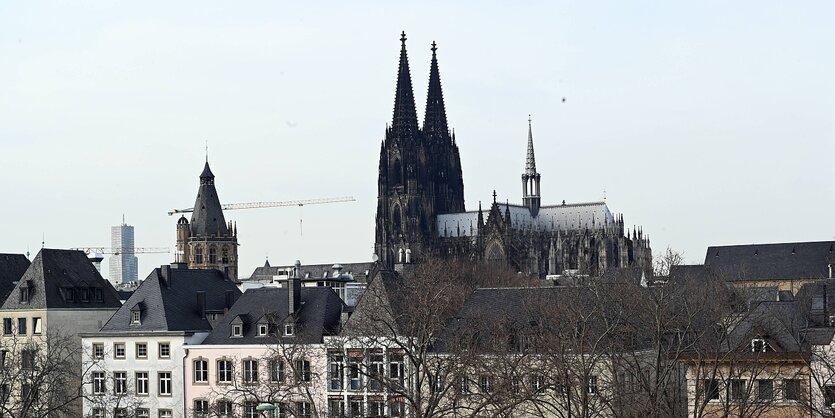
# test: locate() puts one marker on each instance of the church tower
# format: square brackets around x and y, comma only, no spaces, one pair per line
[419,172]
[208,242]
[530,178]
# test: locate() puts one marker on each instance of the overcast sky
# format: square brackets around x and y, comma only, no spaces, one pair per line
[707,123]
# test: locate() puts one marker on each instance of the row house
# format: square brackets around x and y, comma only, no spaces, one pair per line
[134,364]
[269,349]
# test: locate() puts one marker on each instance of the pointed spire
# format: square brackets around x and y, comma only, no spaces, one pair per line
[404,120]
[434,122]
[207,172]
[530,161]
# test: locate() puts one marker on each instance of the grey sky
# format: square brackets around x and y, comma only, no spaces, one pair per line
[705,122]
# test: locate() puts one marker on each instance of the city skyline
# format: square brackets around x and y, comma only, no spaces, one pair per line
[706,132]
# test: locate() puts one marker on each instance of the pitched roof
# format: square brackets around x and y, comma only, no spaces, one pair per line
[50,277]
[207,218]
[778,323]
[404,119]
[12,267]
[174,307]
[790,260]
[318,316]
[312,272]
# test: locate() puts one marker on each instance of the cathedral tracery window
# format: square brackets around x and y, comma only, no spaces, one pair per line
[198,255]
[212,255]
[224,255]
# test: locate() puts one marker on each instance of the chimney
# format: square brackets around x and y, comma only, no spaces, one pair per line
[201,304]
[165,274]
[294,289]
[230,299]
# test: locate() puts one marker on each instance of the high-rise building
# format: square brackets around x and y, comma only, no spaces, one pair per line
[124,267]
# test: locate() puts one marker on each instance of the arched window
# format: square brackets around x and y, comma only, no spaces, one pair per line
[212,255]
[198,255]
[224,255]
[396,221]
[396,173]
[224,371]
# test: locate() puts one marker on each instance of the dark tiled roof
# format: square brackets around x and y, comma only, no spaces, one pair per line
[174,308]
[778,323]
[12,267]
[313,272]
[207,219]
[53,270]
[792,260]
[318,316]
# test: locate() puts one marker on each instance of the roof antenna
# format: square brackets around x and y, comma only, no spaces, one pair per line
[43,240]
[207,150]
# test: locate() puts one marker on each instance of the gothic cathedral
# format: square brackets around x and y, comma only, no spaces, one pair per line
[421,214]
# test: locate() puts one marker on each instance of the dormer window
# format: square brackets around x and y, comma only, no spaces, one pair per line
[237,330]
[98,295]
[24,294]
[85,294]
[289,330]
[67,294]
[759,345]
[262,330]
[135,317]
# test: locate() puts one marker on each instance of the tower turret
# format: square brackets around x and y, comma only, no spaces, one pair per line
[530,178]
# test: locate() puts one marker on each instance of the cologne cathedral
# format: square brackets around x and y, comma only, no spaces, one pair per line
[421,214]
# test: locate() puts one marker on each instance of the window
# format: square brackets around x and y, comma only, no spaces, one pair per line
[142,350]
[224,371]
[98,413]
[164,350]
[397,408]
[592,386]
[250,371]
[7,326]
[120,383]
[26,391]
[201,371]
[164,383]
[288,330]
[464,385]
[376,369]
[250,410]
[120,413]
[143,413]
[28,359]
[201,408]
[376,409]
[24,295]
[537,383]
[302,370]
[237,330]
[711,389]
[5,392]
[276,370]
[396,369]
[262,330]
[67,293]
[515,385]
[336,408]
[85,294]
[98,350]
[165,413]
[224,255]
[303,410]
[354,374]
[355,407]
[485,384]
[198,255]
[135,317]
[791,388]
[224,409]
[212,255]
[119,350]
[98,294]
[759,345]
[335,372]
[99,383]
[36,326]
[737,390]
[21,326]
[141,383]
[765,389]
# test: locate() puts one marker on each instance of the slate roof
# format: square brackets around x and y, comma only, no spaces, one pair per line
[12,267]
[778,323]
[207,219]
[319,315]
[313,272]
[791,260]
[174,308]
[53,270]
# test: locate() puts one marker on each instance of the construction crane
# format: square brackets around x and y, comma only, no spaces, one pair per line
[260,205]
[117,251]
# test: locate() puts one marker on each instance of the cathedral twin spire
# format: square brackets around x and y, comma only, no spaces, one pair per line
[404,120]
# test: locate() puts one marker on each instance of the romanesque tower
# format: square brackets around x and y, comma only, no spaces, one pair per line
[208,241]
